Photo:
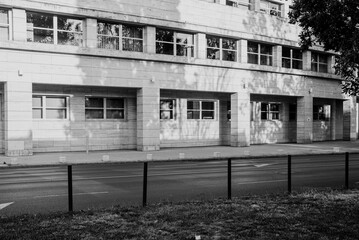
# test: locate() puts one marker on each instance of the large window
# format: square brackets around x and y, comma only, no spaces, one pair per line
[259,53]
[46,28]
[104,108]
[270,111]
[221,48]
[319,62]
[49,107]
[292,58]
[321,112]
[271,8]
[119,37]
[4,24]
[174,43]
[200,109]
[167,108]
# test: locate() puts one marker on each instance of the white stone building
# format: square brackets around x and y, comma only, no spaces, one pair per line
[135,74]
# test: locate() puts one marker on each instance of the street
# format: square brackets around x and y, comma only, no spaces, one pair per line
[44,189]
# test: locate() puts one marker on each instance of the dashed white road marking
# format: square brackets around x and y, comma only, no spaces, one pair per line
[75,194]
[4,205]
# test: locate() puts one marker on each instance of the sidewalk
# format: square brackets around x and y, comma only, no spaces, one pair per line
[193,153]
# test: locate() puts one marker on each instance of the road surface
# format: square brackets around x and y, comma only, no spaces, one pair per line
[44,189]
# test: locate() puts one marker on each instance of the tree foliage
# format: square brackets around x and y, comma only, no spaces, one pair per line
[335,25]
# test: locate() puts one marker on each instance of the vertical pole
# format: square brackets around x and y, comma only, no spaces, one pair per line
[69,177]
[229,179]
[144,194]
[289,174]
[347,170]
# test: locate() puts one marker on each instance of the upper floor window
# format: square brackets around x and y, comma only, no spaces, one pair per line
[259,53]
[237,3]
[46,28]
[4,24]
[49,107]
[119,37]
[104,108]
[167,108]
[200,109]
[292,58]
[221,48]
[271,8]
[319,62]
[174,43]
[270,111]
[321,112]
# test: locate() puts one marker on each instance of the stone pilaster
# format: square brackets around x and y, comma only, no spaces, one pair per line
[91,33]
[350,120]
[305,119]
[277,56]
[19,25]
[201,46]
[240,119]
[242,51]
[149,43]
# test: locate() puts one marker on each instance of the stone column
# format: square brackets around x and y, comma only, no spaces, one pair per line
[307,60]
[333,119]
[148,119]
[91,33]
[277,56]
[242,51]
[331,63]
[305,119]
[18,116]
[149,43]
[350,119]
[240,119]
[19,25]
[201,46]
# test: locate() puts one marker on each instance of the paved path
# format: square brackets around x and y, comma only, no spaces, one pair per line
[254,151]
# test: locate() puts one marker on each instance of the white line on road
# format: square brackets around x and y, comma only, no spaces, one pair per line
[244,183]
[4,205]
[75,194]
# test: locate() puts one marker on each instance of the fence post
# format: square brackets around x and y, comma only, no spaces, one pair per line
[346,170]
[289,174]
[69,179]
[229,179]
[144,193]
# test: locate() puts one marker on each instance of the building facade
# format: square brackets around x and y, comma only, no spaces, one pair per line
[131,74]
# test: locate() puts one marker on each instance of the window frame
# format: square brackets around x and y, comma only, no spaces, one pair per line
[221,48]
[259,55]
[7,25]
[269,8]
[315,65]
[44,107]
[200,110]
[172,110]
[105,109]
[268,112]
[175,44]
[292,59]
[55,29]
[324,115]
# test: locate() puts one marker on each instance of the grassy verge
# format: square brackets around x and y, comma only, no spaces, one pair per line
[309,215]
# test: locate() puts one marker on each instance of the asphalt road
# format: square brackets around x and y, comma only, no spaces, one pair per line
[41,190]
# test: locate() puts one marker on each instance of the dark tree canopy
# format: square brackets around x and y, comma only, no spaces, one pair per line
[335,25]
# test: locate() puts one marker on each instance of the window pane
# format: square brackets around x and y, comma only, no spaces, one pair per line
[94,113]
[252,58]
[55,113]
[55,102]
[314,57]
[275,116]
[108,29]
[264,115]
[166,114]
[213,53]
[132,31]
[252,47]
[274,107]
[314,67]
[229,56]
[192,104]
[68,24]
[192,114]
[164,48]
[166,104]
[115,114]
[266,49]
[94,102]
[286,63]
[108,42]
[207,114]
[4,33]
[132,45]
[164,35]
[39,20]
[296,53]
[323,68]
[69,38]
[229,44]
[181,50]
[40,36]
[265,60]
[37,113]
[297,64]
[184,38]
[4,16]
[115,103]
[264,107]
[286,52]
[212,41]
[36,101]
[208,105]
[323,58]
